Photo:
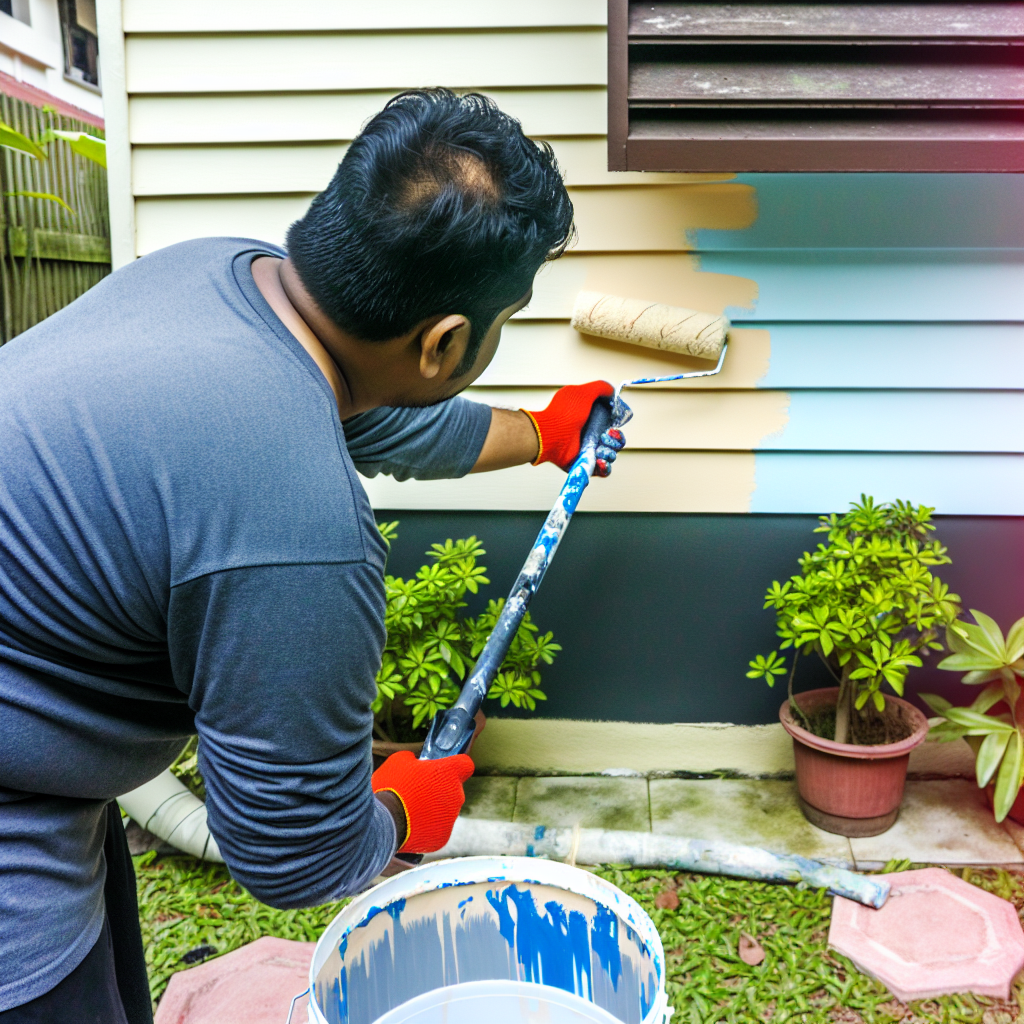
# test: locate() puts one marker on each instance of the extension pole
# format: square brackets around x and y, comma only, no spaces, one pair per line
[451,732]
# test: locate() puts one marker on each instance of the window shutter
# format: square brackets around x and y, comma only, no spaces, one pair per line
[815,87]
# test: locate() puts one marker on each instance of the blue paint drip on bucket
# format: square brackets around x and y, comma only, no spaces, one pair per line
[573,932]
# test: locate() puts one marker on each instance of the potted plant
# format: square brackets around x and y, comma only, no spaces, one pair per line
[867,604]
[996,735]
[431,646]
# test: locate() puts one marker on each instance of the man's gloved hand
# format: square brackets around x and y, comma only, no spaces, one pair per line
[560,425]
[431,793]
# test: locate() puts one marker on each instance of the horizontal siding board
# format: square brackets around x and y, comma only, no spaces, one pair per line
[780,482]
[338,116]
[763,22]
[878,211]
[197,16]
[859,355]
[810,421]
[308,167]
[394,60]
[784,356]
[825,285]
[641,482]
[921,285]
[953,484]
[651,217]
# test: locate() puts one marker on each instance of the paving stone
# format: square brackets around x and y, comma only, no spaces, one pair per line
[251,985]
[585,800]
[490,796]
[936,935]
[752,812]
[941,822]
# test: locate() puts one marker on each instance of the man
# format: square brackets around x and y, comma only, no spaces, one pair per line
[184,545]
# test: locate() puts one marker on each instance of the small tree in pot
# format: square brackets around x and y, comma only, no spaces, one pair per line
[867,605]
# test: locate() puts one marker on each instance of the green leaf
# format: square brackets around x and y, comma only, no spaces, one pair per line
[981,725]
[43,195]
[879,700]
[862,699]
[1015,641]
[82,143]
[991,753]
[992,634]
[938,704]
[13,139]
[970,661]
[1008,780]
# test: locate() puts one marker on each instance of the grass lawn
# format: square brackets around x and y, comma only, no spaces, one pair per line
[185,904]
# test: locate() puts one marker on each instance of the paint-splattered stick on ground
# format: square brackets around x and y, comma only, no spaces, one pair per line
[185,905]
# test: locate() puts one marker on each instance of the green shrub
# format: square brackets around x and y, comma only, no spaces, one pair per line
[431,646]
[866,603]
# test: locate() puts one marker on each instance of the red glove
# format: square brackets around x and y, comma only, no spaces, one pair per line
[431,793]
[560,425]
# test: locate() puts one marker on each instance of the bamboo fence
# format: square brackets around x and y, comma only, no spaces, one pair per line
[48,256]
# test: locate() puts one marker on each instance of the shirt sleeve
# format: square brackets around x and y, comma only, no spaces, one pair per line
[279,663]
[437,442]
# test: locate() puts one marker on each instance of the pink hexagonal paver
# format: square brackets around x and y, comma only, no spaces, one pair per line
[936,935]
[251,985]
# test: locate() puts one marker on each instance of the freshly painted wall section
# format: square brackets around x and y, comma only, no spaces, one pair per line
[879,319]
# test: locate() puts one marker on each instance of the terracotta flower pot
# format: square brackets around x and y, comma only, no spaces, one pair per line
[847,788]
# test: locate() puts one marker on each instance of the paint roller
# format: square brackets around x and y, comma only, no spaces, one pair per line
[653,325]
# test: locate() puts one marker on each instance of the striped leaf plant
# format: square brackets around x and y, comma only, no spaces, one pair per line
[993,661]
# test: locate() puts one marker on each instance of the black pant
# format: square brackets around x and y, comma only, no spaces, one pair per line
[110,985]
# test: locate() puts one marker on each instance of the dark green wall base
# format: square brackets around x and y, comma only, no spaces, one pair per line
[658,614]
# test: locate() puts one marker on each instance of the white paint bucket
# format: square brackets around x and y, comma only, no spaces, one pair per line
[496,1002]
[477,920]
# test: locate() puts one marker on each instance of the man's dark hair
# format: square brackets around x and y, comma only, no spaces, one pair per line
[441,205]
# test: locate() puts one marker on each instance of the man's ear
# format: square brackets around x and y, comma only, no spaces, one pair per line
[443,345]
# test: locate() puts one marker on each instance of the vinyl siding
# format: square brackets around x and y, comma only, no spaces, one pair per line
[879,342]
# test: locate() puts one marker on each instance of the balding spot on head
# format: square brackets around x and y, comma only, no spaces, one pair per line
[440,168]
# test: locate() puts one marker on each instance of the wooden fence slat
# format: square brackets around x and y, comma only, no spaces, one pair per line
[48,255]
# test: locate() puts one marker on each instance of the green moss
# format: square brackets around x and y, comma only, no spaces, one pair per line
[184,904]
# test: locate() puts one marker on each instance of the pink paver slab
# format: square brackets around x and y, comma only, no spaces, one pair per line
[936,935]
[251,985]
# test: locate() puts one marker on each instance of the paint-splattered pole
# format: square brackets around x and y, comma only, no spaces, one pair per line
[450,733]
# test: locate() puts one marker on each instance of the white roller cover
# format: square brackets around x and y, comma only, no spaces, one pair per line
[165,807]
[651,324]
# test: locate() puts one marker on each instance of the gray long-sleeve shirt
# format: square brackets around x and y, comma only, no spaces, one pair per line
[185,546]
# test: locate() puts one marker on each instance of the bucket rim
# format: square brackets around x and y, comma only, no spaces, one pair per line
[460,871]
[502,986]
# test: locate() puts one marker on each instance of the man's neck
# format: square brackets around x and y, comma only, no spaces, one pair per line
[266,273]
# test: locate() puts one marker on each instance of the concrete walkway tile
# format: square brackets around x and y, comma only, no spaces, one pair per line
[751,812]
[492,797]
[585,800]
[941,822]
[251,985]
[935,935]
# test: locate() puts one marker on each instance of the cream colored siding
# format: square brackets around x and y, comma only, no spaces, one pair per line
[856,295]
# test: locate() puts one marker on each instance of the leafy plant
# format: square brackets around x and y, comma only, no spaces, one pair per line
[431,646]
[867,605]
[987,659]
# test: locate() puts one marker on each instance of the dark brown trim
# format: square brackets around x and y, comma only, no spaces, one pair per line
[618,83]
[738,155]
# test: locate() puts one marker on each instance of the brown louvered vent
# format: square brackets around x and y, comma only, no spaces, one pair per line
[815,87]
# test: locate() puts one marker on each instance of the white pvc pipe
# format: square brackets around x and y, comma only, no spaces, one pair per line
[165,807]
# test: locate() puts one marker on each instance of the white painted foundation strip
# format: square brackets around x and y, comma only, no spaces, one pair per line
[165,807]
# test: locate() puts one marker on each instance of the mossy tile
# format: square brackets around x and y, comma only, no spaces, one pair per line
[944,821]
[592,802]
[751,812]
[492,797]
